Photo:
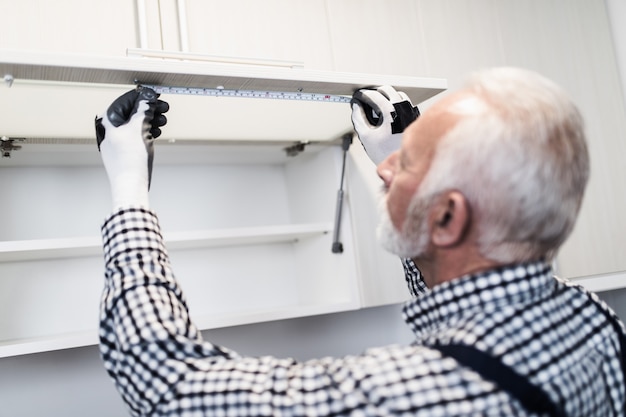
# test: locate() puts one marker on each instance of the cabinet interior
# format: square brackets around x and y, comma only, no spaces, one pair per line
[250,241]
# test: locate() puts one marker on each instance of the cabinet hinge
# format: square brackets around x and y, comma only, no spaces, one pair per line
[7,145]
[295,149]
[8,80]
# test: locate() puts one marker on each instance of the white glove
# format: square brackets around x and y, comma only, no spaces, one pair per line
[125,135]
[379,117]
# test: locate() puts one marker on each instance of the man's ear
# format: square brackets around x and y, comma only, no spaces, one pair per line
[450,219]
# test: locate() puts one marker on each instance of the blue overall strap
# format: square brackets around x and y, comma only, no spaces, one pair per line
[533,398]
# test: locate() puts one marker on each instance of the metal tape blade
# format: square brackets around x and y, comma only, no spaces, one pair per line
[272,95]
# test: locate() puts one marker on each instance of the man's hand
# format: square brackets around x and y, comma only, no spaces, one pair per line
[379,117]
[125,135]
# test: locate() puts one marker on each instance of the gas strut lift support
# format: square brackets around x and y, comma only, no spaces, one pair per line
[337,245]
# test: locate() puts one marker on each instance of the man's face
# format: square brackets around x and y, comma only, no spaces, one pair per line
[404,218]
[402,172]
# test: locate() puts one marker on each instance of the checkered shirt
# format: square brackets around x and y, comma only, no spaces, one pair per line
[554,333]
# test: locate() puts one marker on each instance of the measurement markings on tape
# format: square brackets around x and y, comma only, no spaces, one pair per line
[274,95]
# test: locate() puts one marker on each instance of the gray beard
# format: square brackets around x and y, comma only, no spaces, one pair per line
[412,240]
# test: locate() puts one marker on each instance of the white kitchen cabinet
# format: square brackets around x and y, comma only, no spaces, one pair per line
[69,26]
[249,228]
[353,36]
[283,30]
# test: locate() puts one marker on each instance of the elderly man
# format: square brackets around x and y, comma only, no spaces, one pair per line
[485,187]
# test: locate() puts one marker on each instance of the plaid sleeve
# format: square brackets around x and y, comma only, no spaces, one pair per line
[145,330]
[413,277]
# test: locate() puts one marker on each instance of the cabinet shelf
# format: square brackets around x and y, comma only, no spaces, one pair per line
[27,346]
[294,303]
[25,250]
[17,347]
[602,282]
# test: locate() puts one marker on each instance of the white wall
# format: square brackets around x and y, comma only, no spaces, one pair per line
[617,16]
[73,383]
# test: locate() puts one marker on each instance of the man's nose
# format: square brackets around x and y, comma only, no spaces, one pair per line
[385,169]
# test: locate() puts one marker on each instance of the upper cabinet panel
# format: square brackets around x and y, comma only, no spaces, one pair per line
[380,37]
[271,29]
[244,28]
[74,26]
[461,36]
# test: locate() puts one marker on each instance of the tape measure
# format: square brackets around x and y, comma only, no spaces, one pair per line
[274,95]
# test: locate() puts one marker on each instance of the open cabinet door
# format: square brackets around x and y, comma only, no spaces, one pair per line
[73,88]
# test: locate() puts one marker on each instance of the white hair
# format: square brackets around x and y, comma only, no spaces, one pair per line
[518,154]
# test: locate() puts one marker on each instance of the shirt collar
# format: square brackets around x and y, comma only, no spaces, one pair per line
[485,290]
